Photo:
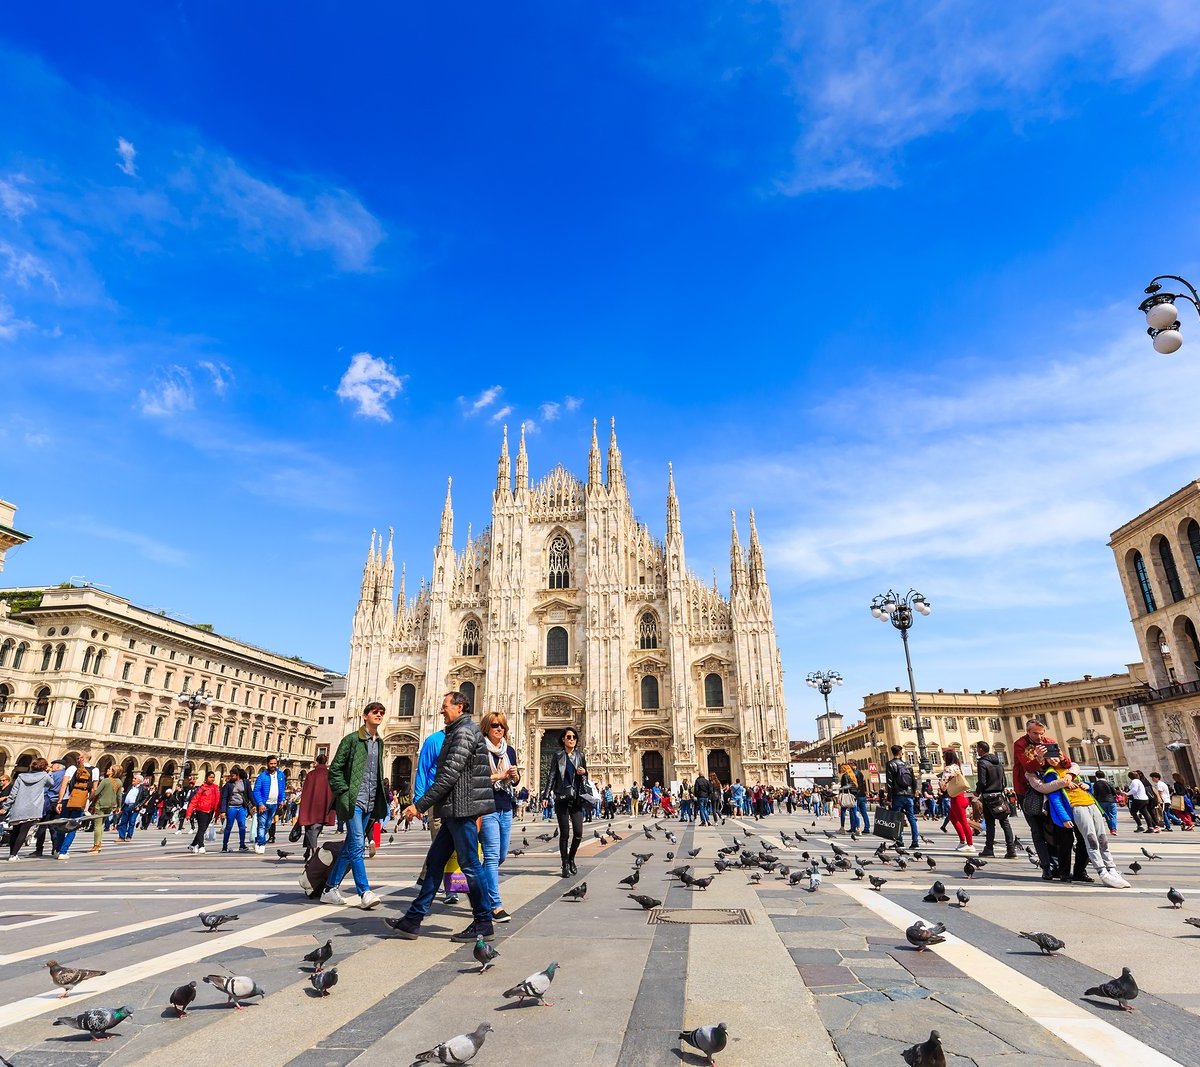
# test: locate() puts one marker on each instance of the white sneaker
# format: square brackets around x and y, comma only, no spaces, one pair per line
[61,856]
[13,859]
[260,849]
[967,850]
[333,896]
[200,851]
[1112,880]
[369,900]
[192,849]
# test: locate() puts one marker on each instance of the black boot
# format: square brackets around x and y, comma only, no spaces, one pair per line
[565,872]
[571,867]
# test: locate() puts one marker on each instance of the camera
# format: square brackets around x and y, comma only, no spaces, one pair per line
[1053,751]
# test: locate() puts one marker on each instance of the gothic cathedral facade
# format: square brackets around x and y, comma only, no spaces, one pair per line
[566,611]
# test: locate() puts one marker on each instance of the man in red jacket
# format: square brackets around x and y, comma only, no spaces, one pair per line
[204,802]
[1030,752]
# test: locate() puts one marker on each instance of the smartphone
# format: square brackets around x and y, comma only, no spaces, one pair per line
[1053,751]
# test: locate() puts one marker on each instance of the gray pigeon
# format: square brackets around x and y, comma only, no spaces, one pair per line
[926,1053]
[323,981]
[936,894]
[536,986]
[213,920]
[576,893]
[1048,943]
[877,883]
[708,1039]
[237,987]
[963,898]
[921,936]
[1175,897]
[97,1021]
[484,954]
[320,956]
[694,852]
[814,881]
[1122,990]
[631,880]
[182,997]
[647,903]
[461,1049]
[1191,920]
[69,977]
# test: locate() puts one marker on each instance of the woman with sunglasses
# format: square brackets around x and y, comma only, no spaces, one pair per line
[496,826]
[568,774]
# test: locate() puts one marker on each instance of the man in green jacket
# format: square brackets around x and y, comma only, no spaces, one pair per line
[356,781]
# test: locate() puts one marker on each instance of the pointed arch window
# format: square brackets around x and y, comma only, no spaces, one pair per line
[714,691]
[408,699]
[649,692]
[1139,569]
[470,638]
[1170,571]
[648,630]
[41,703]
[19,656]
[1193,536]
[559,563]
[556,647]
[47,653]
[79,717]
[60,654]
[6,651]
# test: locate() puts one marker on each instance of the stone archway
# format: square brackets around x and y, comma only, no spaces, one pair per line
[720,764]
[402,775]
[653,769]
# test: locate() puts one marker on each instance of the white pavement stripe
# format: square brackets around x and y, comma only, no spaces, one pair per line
[157,895]
[50,1001]
[1061,890]
[1101,1042]
[132,928]
[44,917]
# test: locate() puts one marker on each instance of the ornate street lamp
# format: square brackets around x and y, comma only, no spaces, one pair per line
[823,682]
[193,702]
[1162,314]
[898,610]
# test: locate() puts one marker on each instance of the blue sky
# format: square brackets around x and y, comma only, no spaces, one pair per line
[869,268]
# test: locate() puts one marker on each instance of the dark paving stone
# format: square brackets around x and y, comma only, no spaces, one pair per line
[802,924]
[823,975]
[926,964]
[912,992]
[815,955]
[858,953]
[870,996]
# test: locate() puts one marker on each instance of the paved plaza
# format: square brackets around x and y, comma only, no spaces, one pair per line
[800,978]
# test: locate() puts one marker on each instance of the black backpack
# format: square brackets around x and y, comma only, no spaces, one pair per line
[904,774]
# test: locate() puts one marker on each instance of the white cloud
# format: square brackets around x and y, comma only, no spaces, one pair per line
[25,267]
[220,373]
[10,326]
[483,401]
[549,411]
[148,547]
[127,153]
[502,413]
[14,202]
[36,440]
[572,403]
[371,382]
[170,393]
[529,426]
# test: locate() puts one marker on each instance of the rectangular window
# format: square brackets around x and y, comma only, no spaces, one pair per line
[228,735]
[1096,716]
[1105,753]
[191,660]
[172,653]
[972,724]
[125,672]
[154,650]
[167,679]
[146,677]
[994,725]
[1069,718]
[222,668]
[220,689]
[926,723]
[132,643]
[951,723]
[187,683]
[272,703]
[906,724]
[260,700]
[208,665]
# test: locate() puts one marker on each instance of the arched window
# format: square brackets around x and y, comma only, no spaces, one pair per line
[1170,571]
[196,731]
[47,652]
[114,725]
[138,722]
[19,655]
[212,732]
[177,732]
[41,703]
[81,708]
[556,647]
[5,693]
[60,654]
[470,638]
[714,691]
[1193,536]
[158,725]
[559,563]
[648,630]
[408,699]
[468,690]
[99,660]
[649,692]
[1139,569]
[87,659]
[6,651]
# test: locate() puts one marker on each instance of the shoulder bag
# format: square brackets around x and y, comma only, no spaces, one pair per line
[956,785]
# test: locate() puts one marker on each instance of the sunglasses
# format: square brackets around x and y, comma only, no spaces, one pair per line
[496,726]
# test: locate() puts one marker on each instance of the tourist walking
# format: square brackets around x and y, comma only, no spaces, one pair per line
[568,775]
[235,799]
[703,791]
[898,775]
[1106,797]
[25,803]
[955,788]
[496,827]
[1138,798]
[990,783]
[316,804]
[134,796]
[462,792]
[1162,802]
[270,790]
[203,805]
[106,800]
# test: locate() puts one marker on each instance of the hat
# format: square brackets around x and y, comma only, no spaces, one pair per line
[59,760]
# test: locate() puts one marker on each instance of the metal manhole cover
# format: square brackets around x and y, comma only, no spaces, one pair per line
[701,916]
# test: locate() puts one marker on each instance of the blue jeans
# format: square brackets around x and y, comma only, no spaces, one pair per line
[905,804]
[455,836]
[494,835]
[235,816]
[351,856]
[1110,814]
[705,811]
[69,836]
[862,812]
[265,818]
[128,823]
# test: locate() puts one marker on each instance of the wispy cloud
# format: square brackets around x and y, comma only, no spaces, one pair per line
[501,413]
[529,426]
[371,383]
[170,392]
[220,373]
[147,547]
[482,402]
[24,267]
[10,325]
[572,403]
[14,201]
[127,153]
[549,411]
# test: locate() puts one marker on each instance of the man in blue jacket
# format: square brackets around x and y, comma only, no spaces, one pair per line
[270,790]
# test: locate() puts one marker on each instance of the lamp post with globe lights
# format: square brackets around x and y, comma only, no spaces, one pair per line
[1162,314]
[823,682]
[899,611]
[193,702]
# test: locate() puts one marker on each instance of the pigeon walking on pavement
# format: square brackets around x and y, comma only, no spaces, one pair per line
[921,936]
[631,880]
[214,920]
[1135,867]
[1150,855]
[536,986]
[963,898]
[926,1053]
[877,883]
[1122,989]
[1048,943]
[708,1039]
[484,955]
[96,1021]
[576,892]
[237,987]
[1175,897]
[461,1049]
[182,997]
[67,978]
[323,981]
[647,903]
[320,956]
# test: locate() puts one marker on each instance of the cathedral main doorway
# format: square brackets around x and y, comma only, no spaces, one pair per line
[401,779]
[718,764]
[652,768]
[551,743]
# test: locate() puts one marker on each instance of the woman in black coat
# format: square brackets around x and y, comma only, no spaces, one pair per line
[568,779]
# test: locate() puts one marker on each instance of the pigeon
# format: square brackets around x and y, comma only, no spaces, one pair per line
[672,838]
[614,835]
[545,837]
[525,840]
[643,856]
[1175,897]
[96,1021]
[838,850]
[631,880]
[679,872]
[771,848]
[1122,990]
[693,852]
[796,877]
[755,878]
[461,1049]
[1048,943]
[324,981]
[708,1039]
[69,977]
[516,852]
[576,893]
[282,854]
[647,903]
[1150,855]
[320,956]
[902,864]
[721,865]
[536,986]
[670,856]
[237,987]
[814,881]
[877,883]
[701,883]
[921,936]
[1134,867]
[936,894]
[749,834]
[649,835]
[391,839]
[182,997]
[161,844]
[931,861]
[1192,921]
[212,920]
[926,1053]
[555,834]
[963,898]
[484,954]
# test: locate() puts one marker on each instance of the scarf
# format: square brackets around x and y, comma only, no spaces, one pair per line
[499,754]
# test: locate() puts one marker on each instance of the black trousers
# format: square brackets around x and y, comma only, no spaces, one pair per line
[1031,808]
[17,834]
[203,818]
[570,817]
[989,822]
[1064,839]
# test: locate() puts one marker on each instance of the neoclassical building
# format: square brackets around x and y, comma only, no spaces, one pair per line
[566,610]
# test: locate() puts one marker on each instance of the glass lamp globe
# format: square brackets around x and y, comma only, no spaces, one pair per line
[1160,316]
[1167,342]
[877,613]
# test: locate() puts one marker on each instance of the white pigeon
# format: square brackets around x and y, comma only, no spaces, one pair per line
[237,987]
[461,1049]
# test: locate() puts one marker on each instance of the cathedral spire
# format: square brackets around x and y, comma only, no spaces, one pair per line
[674,528]
[368,578]
[522,463]
[402,600]
[758,573]
[616,476]
[594,475]
[503,470]
[737,562]
[447,535]
[389,568]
